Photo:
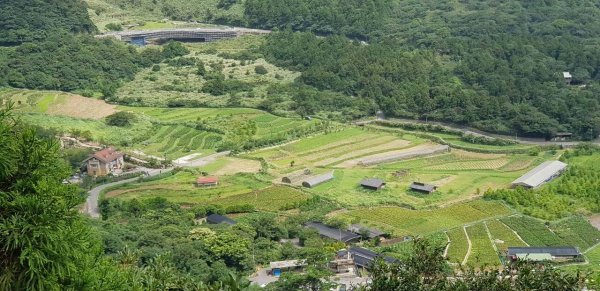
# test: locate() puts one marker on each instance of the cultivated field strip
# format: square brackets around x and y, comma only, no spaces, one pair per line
[503,236]
[482,251]
[459,246]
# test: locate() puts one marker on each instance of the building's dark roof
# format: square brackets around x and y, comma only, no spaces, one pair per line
[373,232]
[423,187]
[333,233]
[217,219]
[372,183]
[363,257]
[554,251]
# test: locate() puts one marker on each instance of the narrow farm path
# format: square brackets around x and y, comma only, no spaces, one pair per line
[464,262]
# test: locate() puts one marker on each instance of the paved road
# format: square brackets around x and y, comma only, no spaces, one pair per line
[91,203]
[470,130]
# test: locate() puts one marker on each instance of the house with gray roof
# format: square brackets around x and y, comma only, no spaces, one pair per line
[423,188]
[541,174]
[543,253]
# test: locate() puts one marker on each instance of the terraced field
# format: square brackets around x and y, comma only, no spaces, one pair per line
[482,251]
[402,221]
[459,246]
[270,199]
[502,236]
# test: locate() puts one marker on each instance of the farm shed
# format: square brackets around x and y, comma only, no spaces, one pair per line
[404,155]
[423,188]
[218,219]
[372,184]
[543,253]
[316,180]
[333,233]
[207,181]
[372,232]
[363,257]
[541,174]
[562,136]
[568,77]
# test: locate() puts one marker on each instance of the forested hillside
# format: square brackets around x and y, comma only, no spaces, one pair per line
[497,66]
[29,20]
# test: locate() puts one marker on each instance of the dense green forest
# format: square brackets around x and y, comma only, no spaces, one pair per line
[31,20]
[497,66]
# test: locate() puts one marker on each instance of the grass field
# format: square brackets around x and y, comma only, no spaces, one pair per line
[180,188]
[402,221]
[482,250]
[182,83]
[459,246]
[57,103]
[270,199]
[502,236]
[150,14]
[460,175]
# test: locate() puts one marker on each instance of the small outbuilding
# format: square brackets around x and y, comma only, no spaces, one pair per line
[317,180]
[545,172]
[562,136]
[567,77]
[372,184]
[207,181]
[423,188]
[218,219]
[334,233]
[363,257]
[286,266]
[371,232]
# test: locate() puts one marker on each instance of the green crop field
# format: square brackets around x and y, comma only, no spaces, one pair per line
[270,199]
[503,236]
[404,221]
[574,231]
[482,250]
[532,231]
[459,246]
[180,188]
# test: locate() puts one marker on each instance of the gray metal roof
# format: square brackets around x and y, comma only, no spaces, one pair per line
[316,180]
[554,251]
[373,232]
[540,174]
[333,233]
[363,257]
[372,182]
[423,187]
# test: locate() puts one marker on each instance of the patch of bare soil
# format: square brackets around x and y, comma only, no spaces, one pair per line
[595,220]
[236,165]
[82,107]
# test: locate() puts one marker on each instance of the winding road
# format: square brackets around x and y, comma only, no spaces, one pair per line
[91,203]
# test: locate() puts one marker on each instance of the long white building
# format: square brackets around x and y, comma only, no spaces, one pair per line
[541,174]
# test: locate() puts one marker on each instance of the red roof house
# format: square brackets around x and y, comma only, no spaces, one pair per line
[207,181]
